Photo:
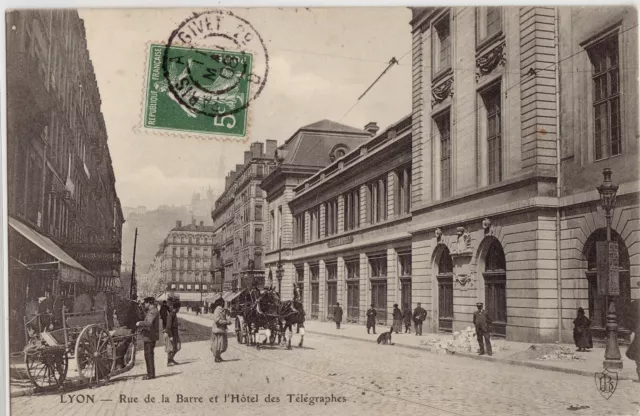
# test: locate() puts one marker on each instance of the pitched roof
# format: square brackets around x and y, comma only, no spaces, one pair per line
[311,145]
[334,127]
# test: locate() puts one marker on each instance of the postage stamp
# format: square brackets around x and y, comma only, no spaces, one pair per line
[206,91]
[202,80]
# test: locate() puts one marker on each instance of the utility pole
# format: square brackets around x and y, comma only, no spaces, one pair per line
[134,287]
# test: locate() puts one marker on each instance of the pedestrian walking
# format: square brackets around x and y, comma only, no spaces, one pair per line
[337,315]
[419,315]
[633,352]
[482,321]
[582,331]
[219,341]
[397,319]
[149,331]
[164,311]
[371,319]
[198,310]
[171,335]
[406,318]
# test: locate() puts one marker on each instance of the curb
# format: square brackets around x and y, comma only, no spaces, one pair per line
[484,357]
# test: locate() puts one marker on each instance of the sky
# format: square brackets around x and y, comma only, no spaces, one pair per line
[320,61]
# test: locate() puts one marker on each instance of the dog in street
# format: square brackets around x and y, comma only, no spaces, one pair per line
[385,337]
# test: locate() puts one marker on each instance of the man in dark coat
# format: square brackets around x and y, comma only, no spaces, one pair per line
[371,319]
[337,315]
[419,315]
[482,321]
[149,331]
[164,311]
[397,319]
[633,352]
[406,319]
[172,340]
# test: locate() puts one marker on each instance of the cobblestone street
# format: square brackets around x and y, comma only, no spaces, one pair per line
[369,378]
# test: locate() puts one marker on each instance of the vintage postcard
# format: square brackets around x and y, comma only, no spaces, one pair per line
[416,210]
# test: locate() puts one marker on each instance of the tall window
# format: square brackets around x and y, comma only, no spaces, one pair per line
[606,97]
[403,191]
[314,226]
[404,261]
[443,127]
[351,210]
[441,45]
[488,23]
[331,217]
[353,290]
[377,200]
[257,212]
[272,221]
[493,108]
[258,236]
[299,225]
[445,291]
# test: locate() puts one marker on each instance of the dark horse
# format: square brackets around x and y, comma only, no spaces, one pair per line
[292,313]
[261,310]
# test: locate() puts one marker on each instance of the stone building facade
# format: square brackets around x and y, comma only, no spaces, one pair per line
[185,261]
[505,209]
[239,219]
[64,212]
[307,151]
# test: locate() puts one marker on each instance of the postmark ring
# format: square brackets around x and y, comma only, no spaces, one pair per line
[204,27]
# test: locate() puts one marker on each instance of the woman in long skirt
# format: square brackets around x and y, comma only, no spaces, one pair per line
[397,319]
[582,331]
[219,330]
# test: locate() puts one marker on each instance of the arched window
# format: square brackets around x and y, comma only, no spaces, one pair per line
[597,303]
[338,151]
[445,290]
[495,286]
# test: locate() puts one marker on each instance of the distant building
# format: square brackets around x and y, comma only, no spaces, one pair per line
[239,219]
[184,261]
[201,205]
[310,149]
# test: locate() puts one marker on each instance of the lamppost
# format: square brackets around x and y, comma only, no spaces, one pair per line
[610,287]
[279,271]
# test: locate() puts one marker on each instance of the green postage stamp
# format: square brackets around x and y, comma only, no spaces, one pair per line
[197,90]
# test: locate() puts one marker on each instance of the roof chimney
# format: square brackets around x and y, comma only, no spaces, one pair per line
[178,224]
[239,168]
[257,149]
[270,152]
[201,223]
[372,128]
[248,155]
[193,221]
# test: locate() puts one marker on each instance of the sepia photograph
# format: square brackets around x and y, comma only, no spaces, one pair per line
[322,210]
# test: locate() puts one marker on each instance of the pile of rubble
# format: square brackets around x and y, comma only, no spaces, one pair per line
[464,340]
[548,353]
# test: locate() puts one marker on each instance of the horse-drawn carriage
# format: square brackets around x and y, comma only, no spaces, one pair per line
[99,353]
[264,311]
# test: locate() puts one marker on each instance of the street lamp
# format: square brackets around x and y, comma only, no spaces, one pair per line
[279,271]
[607,191]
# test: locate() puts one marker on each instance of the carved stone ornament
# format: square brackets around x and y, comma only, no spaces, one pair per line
[464,240]
[441,92]
[438,234]
[490,60]
[486,225]
[463,279]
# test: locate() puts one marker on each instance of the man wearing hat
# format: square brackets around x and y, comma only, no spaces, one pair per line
[371,319]
[482,321]
[149,331]
[419,315]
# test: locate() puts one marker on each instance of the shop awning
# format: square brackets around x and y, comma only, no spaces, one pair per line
[231,296]
[70,270]
[189,296]
[212,297]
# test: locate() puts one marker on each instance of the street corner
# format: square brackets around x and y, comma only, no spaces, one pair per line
[197,92]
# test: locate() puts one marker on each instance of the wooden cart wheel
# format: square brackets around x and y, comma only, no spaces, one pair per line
[239,336]
[47,367]
[95,354]
[130,355]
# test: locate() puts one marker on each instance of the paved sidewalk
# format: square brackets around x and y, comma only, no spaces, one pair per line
[503,350]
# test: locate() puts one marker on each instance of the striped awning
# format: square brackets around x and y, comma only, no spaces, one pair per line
[70,270]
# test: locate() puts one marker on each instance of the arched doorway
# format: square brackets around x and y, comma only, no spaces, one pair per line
[445,290]
[598,304]
[495,287]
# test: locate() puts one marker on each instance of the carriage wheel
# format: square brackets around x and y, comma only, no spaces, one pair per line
[47,367]
[95,354]
[272,337]
[130,355]
[239,335]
